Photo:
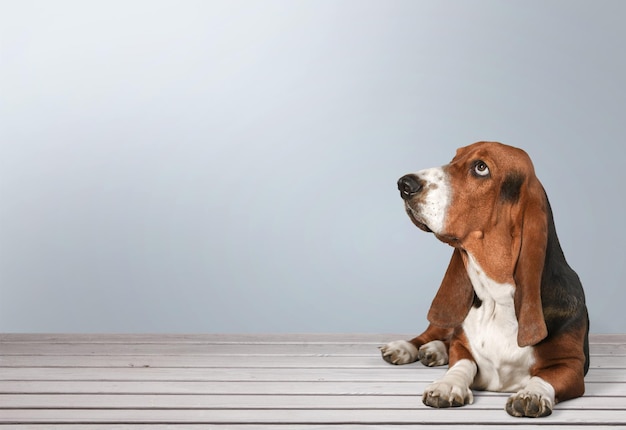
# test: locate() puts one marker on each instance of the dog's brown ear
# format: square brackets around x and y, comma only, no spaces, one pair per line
[455,296]
[532,219]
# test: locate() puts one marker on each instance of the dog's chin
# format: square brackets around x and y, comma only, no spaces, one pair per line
[421,225]
[445,238]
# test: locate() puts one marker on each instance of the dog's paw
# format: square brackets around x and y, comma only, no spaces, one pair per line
[433,354]
[399,352]
[445,395]
[527,404]
[535,400]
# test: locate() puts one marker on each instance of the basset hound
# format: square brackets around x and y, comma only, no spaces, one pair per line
[510,313]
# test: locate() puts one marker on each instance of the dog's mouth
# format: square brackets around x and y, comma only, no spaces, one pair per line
[423,226]
[416,219]
[414,215]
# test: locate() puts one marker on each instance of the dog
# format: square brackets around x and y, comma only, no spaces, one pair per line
[510,314]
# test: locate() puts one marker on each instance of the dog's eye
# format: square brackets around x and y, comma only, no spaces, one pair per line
[481,168]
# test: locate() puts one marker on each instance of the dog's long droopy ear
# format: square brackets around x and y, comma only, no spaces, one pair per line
[455,296]
[532,242]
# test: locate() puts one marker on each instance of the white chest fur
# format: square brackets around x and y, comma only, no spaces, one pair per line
[491,330]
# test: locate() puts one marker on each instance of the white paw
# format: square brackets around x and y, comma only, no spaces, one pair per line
[443,394]
[535,400]
[399,352]
[433,354]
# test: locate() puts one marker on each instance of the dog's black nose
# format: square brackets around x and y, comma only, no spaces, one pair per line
[409,186]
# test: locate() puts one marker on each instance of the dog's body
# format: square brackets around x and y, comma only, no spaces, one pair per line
[510,314]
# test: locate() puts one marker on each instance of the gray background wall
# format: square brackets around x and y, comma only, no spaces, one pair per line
[230,166]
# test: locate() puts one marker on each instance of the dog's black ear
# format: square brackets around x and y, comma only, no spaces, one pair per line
[455,296]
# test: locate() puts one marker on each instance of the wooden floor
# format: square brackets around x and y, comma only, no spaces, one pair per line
[259,382]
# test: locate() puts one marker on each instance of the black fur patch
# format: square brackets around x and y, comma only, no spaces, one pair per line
[476,302]
[510,190]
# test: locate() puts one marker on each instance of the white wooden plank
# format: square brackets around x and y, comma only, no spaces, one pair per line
[225,349]
[274,426]
[201,338]
[413,373]
[371,361]
[351,402]
[383,388]
[212,387]
[404,373]
[296,416]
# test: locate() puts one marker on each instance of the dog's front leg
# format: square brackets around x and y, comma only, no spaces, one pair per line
[554,379]
[454,388]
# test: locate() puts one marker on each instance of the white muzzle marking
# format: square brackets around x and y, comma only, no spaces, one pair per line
[430,207]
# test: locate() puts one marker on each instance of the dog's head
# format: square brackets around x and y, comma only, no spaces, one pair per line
[487,202]
[467,196]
